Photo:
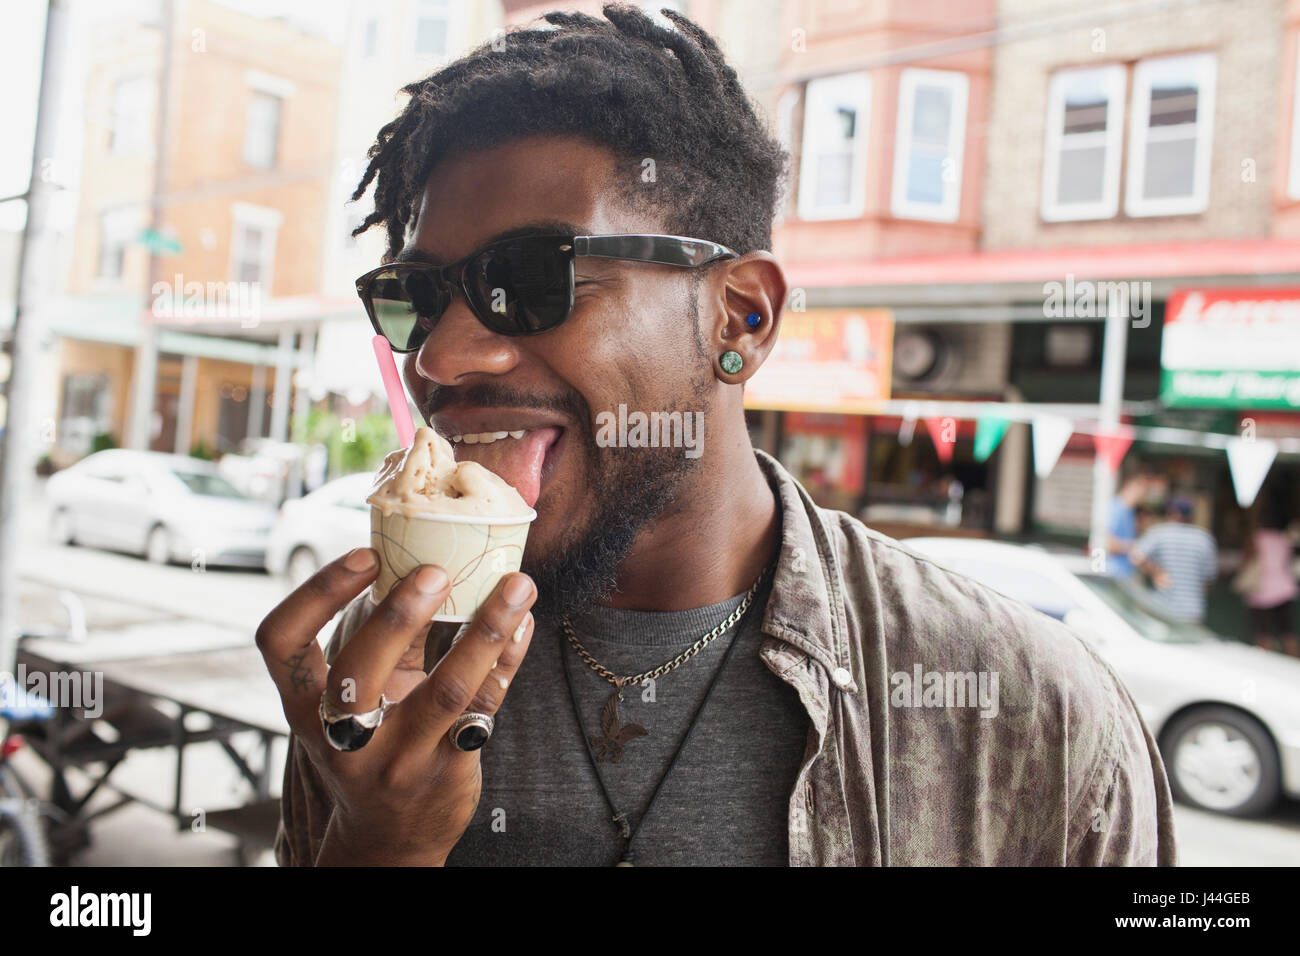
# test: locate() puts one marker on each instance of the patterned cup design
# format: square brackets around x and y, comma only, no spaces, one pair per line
[476,555]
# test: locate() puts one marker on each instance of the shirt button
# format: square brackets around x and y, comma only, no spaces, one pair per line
[842,677]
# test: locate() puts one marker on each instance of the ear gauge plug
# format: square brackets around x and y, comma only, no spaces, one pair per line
[731,362]
[753,320]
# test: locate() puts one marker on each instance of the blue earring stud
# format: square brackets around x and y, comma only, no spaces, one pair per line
[753,319]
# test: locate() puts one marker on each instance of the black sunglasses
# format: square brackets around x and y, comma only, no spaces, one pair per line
[518,286]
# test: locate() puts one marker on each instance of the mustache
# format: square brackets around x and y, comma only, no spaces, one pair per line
[492,395]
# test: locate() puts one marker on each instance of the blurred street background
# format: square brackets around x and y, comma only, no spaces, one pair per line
[1044,261]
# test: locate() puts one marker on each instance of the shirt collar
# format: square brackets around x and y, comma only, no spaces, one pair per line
[806,607]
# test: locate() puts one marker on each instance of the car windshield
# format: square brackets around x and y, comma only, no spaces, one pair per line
[210,486]
[1140,611]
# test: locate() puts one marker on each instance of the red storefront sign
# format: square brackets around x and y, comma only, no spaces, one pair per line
[827,360]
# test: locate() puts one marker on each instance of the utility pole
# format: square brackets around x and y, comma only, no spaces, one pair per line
[144,372]
[1114,352]
[34,260]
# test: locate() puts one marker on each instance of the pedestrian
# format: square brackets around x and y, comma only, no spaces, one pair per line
[1133,494]
[1180,559]
[1268,582]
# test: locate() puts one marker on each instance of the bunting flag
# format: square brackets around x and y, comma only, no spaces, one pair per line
[943,432]
[1248,463]
[989,429]
[1112,446]
[1051,432]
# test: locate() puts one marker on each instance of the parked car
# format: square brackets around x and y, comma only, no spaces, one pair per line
[163,507]
[318,527]
[1226,714]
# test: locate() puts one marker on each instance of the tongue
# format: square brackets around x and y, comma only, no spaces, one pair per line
[517,460]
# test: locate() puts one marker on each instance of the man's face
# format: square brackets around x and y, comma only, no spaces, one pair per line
[633,338]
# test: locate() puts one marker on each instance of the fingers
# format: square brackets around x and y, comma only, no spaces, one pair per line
[362,669]
[411,760]
[493,689]
[287,636]
[458,680]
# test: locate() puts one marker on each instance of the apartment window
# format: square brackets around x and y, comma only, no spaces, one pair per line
[929,145]
[1293,184]
[262,130]
[252,243]
[117,229]
[1081,156]
[431,28]
[1170,136]
[132,115]
[833,163]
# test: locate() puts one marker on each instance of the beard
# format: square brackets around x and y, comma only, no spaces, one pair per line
[630,488]
[627,489]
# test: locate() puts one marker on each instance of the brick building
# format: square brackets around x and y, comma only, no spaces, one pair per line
[210,306]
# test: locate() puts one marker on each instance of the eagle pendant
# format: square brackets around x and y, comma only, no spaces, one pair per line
[613,737]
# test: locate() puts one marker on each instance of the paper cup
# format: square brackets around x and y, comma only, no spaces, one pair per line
[475,551]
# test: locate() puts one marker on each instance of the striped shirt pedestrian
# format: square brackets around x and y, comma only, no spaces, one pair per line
[1187,554]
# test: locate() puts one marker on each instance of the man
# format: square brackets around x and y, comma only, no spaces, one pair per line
[1180,559]
[1123,524]
[1139,488]
[717,671]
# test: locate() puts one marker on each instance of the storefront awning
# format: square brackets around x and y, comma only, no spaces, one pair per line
[1271,258]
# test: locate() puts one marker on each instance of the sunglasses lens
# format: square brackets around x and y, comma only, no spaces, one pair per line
[522,286]
[407,303]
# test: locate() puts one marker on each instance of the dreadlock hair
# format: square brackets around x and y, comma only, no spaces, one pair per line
[626,83]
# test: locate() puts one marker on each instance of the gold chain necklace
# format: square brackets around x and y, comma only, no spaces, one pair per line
[614,735]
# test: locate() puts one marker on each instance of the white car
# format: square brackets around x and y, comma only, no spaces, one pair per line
[319,527]
[164,507]
[1226,714]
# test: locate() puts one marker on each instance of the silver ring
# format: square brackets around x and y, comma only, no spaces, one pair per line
[346,731]
[470,731]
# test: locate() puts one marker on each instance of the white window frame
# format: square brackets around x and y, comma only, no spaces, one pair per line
[269,83]
[1112,137]
[119,225]
[455,27]
[958,85]
[261,217]
[1293,181]
[139,121]
[1134,203]
[373,23]
[858,85]
[249,158]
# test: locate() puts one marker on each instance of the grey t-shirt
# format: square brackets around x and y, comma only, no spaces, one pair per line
[725,803]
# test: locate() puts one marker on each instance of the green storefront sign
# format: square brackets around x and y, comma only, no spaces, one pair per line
[1203,388]
[1231,348]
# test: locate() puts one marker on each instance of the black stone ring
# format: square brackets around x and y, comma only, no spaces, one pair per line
[348,732]
[470,731]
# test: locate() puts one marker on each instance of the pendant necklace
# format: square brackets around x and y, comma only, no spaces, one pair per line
[614,735]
